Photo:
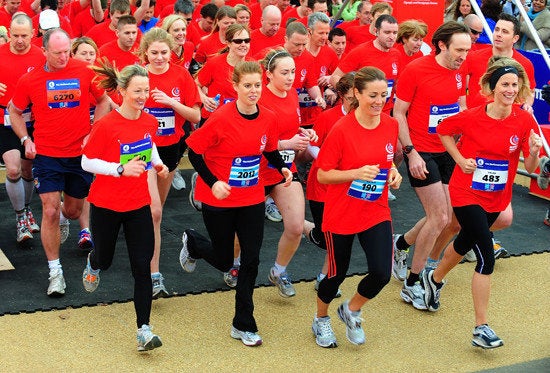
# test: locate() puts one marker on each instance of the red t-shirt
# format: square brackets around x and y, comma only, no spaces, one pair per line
[64,23]
[208,48]
[489,141]
[476,65]
[12,67]
[178,84]
[60,105]
[83,22]
[232,147]
[5,18]
[315,191]
[357,35]
[195,33]
[216,76]
[405,58]
[353,207]
[288,124]
[259,41]
[347,24]
[368,55]
[432,90]
[185,59]
[256,16]
[101,33]
[108,137]
[119,57]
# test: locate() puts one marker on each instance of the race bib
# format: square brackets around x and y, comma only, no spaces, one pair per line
[27,117]
[142,149]
[92,114]
[369,190]
[304,99]
[244,171]
[288,158]
[390,89]
[440,112]
[63,93]
[166,120]
[490,175]
[227,100]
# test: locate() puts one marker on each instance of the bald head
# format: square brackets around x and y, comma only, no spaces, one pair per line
[271,20]
[475,25]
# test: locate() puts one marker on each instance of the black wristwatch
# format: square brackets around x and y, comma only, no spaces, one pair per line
[120,170]
[407,149]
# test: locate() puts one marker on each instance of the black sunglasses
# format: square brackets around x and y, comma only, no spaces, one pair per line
[475,32]
[189,19]
[240,41]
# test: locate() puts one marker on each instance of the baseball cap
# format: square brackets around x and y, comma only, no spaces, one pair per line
[48,19]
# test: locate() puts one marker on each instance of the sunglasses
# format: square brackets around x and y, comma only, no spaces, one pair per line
[240,41]
[189,19]
[475,32]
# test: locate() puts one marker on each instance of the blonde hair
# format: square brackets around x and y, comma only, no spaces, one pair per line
[496,63]
[83,40]
[245,68]
[110,78]
[411,28]
[170,20]
[155,34]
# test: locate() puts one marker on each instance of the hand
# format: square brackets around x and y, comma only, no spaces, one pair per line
[287,175]
[310,134]
[527,108]
[468,165]
[320,101]
[367,172]
[134,167]
[162,170]
[162,98]
[209,103]
[394,178]
[221,190]
[417,166]
[298,142]
[323,81]
[535,143]
[30,149]
[330,96]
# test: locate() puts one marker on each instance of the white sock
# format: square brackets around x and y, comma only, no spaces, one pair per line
[54,264]
[278,269]
[321,276]
[237,261]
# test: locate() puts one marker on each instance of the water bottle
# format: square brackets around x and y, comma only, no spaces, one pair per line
[217,99]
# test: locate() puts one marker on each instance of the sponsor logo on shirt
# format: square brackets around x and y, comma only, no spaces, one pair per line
[263,141]
[389,151]
[394,68]
[514,141]
[458,78]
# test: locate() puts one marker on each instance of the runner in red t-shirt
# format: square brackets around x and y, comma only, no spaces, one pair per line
[183,50]
[202,27]
[356,203]
[226,152]
[430,89]
[282,99]
[174,99]
[122,51]
[270,34]
[213,43]
[379,53]
[491,139]
[18,57]
[104,32]
[60,97]
[120,150]
[410,37]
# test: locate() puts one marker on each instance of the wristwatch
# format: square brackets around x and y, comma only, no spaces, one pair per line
[23,139]
[120,170]
[407,149]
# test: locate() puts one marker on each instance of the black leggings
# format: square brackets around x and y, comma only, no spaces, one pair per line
[316,235]
[222,224]
[140,240]
[475,234]
[377,245]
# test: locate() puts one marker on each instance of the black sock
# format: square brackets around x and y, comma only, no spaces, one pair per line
[401,244]
[413,277]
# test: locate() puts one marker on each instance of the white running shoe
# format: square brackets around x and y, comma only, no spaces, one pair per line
[272,213]
[322,330]
[197,205]
[178,182]
[399,268]
[57,283]
[353,320]
[250,339]
[414,295]
[146,340]
[187,263]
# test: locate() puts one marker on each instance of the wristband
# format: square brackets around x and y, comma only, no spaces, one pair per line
[23,139]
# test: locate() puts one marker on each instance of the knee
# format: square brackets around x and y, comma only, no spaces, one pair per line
[503,221]
[13,172]
[50,212]
[486,265]
[294,227]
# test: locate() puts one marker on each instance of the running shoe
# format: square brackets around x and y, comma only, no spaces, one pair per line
[178,182]
[485,337]
[431,291]
[283,283]
[247,338]
[431,264]
[322,330]
[64,229]
[159,290]
[399,268]
[197,205]
[500,252]
[146,340]
[85,240]
[470,256]
[547,218]
[31,221]
[542,178]
[23,232]
[414,295]
[57,285]
[391,196]
[90,277]
[354,331]
[272,213]
[231,277]
[318,281]
[187,263]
